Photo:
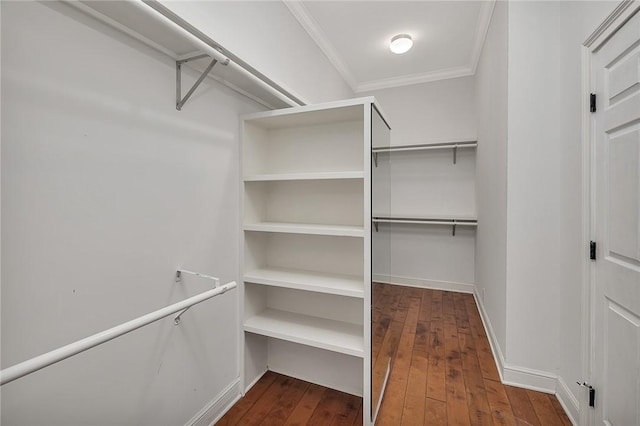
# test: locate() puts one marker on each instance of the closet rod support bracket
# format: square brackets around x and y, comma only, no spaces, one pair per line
[375,158]
[455,154]
[180,101]
[179,273]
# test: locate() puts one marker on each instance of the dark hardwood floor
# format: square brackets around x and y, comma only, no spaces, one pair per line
[443,374]
[278,400]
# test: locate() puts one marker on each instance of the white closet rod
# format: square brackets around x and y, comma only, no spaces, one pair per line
[34,364]
[156,11]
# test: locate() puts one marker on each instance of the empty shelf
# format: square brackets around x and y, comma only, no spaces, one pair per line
[304,176]
[343,285]
[336,336]
[309,229]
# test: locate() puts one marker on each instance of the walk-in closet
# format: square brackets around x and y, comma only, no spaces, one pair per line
[301,212]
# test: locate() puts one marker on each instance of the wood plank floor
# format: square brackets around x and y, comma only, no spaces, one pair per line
[443,374]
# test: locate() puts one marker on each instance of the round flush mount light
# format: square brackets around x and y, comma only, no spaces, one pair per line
[401,43]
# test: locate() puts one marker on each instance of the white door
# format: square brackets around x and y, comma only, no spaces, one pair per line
[616,343]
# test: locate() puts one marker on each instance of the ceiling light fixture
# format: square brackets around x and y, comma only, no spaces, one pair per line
[401,43]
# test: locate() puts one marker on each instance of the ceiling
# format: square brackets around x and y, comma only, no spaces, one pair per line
[448,38]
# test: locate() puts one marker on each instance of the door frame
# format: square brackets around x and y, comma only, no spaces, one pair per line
[620,15]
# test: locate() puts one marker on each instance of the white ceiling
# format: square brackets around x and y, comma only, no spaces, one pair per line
[448,38]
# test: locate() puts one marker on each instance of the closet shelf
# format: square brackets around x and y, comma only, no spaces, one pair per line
[426,146]
[449,221]
[342,285]
[156,26]
[356,174]
[309,229]
[436,219]
[422,147]
[336,336]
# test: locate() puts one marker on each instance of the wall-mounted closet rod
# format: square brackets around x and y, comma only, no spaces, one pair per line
[426,146]
[216,283]
[34,364]
[160,13]
[423,147]
[450,222]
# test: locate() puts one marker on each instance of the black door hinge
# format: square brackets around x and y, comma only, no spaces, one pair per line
[592,102]
[592,393]
[592,250]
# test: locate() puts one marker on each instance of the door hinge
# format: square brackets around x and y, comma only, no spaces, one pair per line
[592,393]
[592,102]
[592,250]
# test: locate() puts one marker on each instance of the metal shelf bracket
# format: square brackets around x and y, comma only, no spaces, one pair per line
[180,101]
[216,283]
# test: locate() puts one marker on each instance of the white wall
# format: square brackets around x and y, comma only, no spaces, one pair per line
[106,191]
[268,37]
[491,173]
[430,112]
[424,183]
[544,244]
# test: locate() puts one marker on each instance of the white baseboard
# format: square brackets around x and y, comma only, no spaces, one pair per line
[528,378]
[493,340]
[213,411]
[384,388]
[254,381]
[424,283]
[568,401]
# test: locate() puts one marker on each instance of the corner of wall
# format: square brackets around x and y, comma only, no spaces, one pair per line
[527,378]
[491,335]
[214,410]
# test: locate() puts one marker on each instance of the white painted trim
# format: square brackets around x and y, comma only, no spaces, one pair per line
[484,20]
[424,283]
[254,381]
[568,401]
[529,378]
[491,335]
[587,230]
[311,26]
[382,391]
[621,14]
[407,80]
[214,410]
[624,11]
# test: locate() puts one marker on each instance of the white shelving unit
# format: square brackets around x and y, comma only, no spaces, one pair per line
[306,232]
[342,285]
[355,174]
[308,229]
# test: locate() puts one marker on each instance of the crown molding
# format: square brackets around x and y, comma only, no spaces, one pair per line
[311,26]
[484,20]
[620,14]
[407,80]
